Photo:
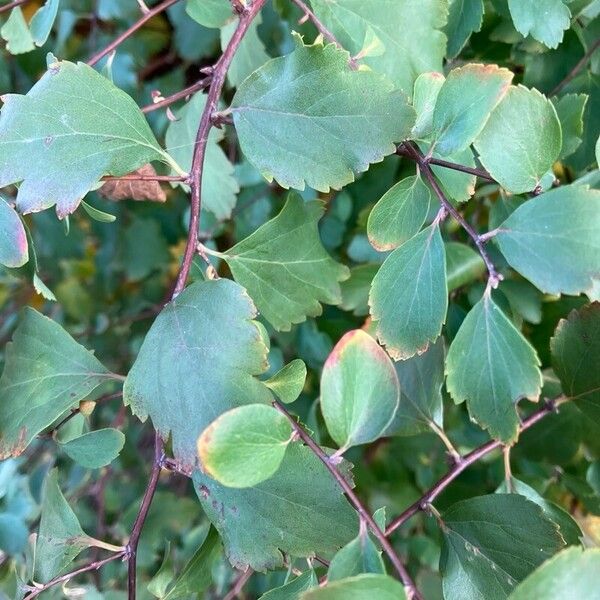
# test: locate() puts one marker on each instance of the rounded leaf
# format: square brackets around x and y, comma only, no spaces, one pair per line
[244,446]
[360,391]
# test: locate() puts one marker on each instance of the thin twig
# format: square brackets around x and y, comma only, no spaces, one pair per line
[364,514]
[575,70]
[63,578]
[188,91]
[322,29]
[206,123]
[493,276]
[472,457]
[401,151]
[129,32]
[145,178]
[11,5]
[239,584]
[131,548]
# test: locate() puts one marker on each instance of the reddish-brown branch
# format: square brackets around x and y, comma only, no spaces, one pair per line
[11,5]
[577,68]
[239,584]
[206,122]
[402,151]
[466,461]
[63,578]
[493,276]
[136,532]
[129,32]
[363,513]
[188,91]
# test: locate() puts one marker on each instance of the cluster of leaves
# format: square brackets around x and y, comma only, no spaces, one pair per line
[382,377]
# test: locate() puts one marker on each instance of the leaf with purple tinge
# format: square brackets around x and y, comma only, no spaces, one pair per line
[13,240]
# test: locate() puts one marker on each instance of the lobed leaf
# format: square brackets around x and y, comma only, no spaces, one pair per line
[312,94]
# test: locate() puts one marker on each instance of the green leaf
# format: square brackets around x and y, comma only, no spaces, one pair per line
[160,581]
[299,511]
[60,538]
[521,140]
[572,573]
[360,587]
[355,291]
[419,49]
[312,94]
[199,359]
[46,373]
[421,405]
[463,265]
[210,13]
[288,382]
[245,445]
[219,186]
[458,186]
[359,390]
[285,267]
[459,117]
[425,93]
[524,299]
[95,449]
[493,542]
[250,54]
[98,215]
[545,20]
[292,590]
[464,18]
[399,214]
[42,22]
[16,34]
[58,151]
[568,527]
[361,555]
[570,109]
[409,297]
[492,366]
[196,576]
[575,351]
[14,250]
[13,534]
[554,241]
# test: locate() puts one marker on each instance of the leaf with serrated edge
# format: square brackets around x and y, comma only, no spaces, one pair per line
[199,359]
[554,241]
[492,366]
[575,350]
[14,250]
[409,297]
[409,31]
[360,392]
[399,214]
[245,445]
[285,267]
[526,122]
[426,90]
[459,117]
[300,511]
[491,543]
[544,20]
[283,108]
[46,373]
[59,152]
